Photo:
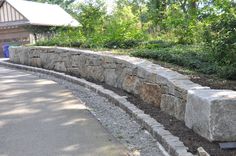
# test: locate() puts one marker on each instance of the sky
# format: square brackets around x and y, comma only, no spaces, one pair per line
[110,5]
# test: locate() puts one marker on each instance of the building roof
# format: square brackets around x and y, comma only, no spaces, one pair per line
[35,13]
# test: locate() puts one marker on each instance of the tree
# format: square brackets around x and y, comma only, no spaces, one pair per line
[123,25]
[156,9]
[138,8]
[92,16]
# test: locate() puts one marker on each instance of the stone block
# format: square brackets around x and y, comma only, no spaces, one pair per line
[151,93]
[60,66]
[92,72]
[110,77]
[211,114]
[131,83]
[36,62]
[173,106]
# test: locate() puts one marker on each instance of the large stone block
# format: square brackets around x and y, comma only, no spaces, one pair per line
[36,62]
[212,114]
[110,77]
[173,106]
[151,93]
[131,84]
[122,74]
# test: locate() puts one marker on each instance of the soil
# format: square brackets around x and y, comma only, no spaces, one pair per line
[175,126]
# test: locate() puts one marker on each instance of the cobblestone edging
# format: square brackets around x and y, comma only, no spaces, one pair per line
[171,143]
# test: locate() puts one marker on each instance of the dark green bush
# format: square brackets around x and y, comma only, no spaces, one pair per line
[76,44]
[220,38]
[183,56]
[156,44]
[228,72]
[117,44]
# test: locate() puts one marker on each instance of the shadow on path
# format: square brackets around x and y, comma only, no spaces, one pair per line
[40,118]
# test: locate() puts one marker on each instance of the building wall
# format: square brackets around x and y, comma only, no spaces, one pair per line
[13,36]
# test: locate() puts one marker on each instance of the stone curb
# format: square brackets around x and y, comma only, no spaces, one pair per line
[171,143]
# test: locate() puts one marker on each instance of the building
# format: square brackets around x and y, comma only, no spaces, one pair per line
[15,15]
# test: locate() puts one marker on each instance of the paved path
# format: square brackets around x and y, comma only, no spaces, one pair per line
[40,118]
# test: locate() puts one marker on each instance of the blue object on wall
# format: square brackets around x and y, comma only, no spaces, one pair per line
[6,50]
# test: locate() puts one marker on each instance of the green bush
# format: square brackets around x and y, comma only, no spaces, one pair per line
[154,44]
[228,72]
[220,38]
[188,56]
[116,44]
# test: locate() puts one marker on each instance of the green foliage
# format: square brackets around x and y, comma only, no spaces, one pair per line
[166,30]
[117,44]
[156,44]
[123,25]
[91,16]
[228,72]
[184,24]
[156,9]
[66,37]
[221,39]
[189,56]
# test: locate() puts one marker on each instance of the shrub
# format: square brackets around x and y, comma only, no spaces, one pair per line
[183,55]
[114,44]
[154,44]
[76,44]
[228,72]
[220,37]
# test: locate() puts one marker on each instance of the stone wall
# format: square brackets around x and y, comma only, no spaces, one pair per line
[156,85]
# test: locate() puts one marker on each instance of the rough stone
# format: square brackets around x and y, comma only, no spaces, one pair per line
[95,73]
[36,62]
[130,83]
[60,66]
[211,114]
[173,105]
[150,93]
[110,77]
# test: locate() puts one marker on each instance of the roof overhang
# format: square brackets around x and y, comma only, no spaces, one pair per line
[43,14]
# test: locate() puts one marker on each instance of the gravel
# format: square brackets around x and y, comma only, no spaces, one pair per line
[115,120]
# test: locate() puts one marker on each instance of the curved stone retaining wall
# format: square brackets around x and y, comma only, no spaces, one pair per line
[172,92]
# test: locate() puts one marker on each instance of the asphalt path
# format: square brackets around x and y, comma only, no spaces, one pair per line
[38,117]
